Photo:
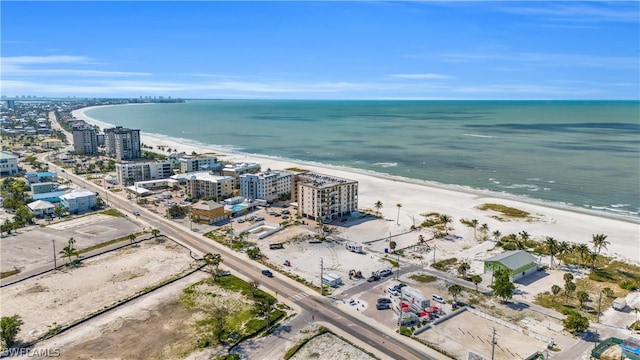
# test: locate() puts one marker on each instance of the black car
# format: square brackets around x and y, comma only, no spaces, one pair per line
[373,278]
[384,301]
[383,306]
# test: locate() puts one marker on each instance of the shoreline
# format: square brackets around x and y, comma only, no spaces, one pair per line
[420,196]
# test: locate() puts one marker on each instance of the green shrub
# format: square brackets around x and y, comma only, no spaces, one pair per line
[629,285]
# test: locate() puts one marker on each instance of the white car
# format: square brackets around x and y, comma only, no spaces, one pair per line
[438,298]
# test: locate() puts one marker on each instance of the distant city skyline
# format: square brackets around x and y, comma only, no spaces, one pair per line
[322,50]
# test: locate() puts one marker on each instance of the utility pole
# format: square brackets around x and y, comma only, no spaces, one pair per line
[55,261]
[493,344]
[398,271]
[321,276]
[400,317]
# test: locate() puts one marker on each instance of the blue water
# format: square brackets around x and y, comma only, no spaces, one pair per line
[238,207]
[584,154]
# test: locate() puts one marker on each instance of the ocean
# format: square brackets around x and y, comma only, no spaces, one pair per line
[579,154]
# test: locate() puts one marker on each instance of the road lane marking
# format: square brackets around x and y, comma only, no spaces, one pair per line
[298,296]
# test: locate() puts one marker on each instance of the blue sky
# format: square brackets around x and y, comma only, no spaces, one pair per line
[322,50]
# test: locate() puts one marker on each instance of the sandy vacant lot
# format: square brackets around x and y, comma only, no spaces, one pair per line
[34,247]
[330,347]
[468,332]
[64,296]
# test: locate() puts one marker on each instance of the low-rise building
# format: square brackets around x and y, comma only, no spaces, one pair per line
[324,197]
[208,212]
[269,185]
[156,184]
[206,185]
[43,187]
[33,177]
[78,200]
[518,263]
[41,208]
[130,172]
[8,163]
[236,169]
[51,143]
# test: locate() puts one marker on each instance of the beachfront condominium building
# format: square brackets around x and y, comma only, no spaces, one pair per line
[269,185]
[8,163]
[122,143]
[209,186]
[237,169]
[196,163]
[85,141]
[324,197]
[128,173]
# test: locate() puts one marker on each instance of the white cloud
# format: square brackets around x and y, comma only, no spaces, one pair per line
[532,59]
[613,11]
[52,59]
[421,76]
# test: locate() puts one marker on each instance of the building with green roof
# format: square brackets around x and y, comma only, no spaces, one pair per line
[518,263]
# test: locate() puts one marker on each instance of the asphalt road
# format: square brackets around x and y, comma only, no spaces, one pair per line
[322,309]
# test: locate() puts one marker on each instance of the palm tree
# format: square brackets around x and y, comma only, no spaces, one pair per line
[497,235]
[599,241]
[463,268]
[72,241]
[582,297]
[392,246]
[455,290]
[69,251]
[568,277]
[583,250]
[594,256]
[476,279]
[607,292]
[132,238]
[555,290]
[398,205]
[378,206]
[445,220]
[484,229]
[155,232]
[569,288]
[474,222]
[421,239]
[563,248]
[552,247]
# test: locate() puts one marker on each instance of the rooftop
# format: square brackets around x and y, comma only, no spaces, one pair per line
[513,259]
[7,155]
[322,180]
[77,193]
[40,205]
[204,175]
[206,205]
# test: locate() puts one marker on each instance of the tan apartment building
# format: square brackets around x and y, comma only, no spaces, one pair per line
[324,196]
[208,212]
[206,185]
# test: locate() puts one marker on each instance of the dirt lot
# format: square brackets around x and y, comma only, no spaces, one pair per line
[468,332]
[34,247]
[67,295]
[330,347]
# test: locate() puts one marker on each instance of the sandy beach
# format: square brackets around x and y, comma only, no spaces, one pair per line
[418,197]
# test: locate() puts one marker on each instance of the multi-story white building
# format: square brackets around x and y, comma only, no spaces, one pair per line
[78,200]
[8,163]
[237,169]
[206,185]
[122,143]
[127,173]
[85,141]
[324,197]
[269,186]
[195,163]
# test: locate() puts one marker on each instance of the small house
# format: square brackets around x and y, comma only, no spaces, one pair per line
[41,208]
[208,212]
[518,263]
[332,280]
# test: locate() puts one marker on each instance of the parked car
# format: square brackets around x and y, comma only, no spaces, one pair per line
[394,292]
[136,213]
[240,221]
[225,273]
[383,306]
[267,273]
[373,278]
[438,298]
[384,300]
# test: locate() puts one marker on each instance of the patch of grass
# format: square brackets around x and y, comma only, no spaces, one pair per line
[228,357]
[444,265]
[295,169]
[392,262]
[112,212]
[107,243]
[5,274]
[115,190]
[505,210]
[423,278]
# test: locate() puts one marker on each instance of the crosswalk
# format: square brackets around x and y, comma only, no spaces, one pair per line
[299,296]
